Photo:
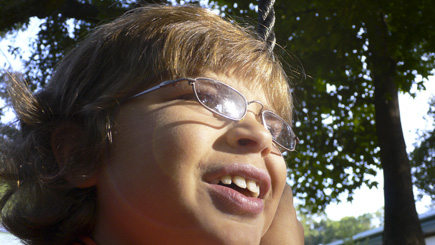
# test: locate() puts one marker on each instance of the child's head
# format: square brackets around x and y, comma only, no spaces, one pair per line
[90,161]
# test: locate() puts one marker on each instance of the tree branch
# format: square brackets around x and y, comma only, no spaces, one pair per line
[15,13]
[80,11]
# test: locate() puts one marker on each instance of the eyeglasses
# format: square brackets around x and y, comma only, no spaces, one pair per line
[229,103]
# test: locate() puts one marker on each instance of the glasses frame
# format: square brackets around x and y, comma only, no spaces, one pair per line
[192,82]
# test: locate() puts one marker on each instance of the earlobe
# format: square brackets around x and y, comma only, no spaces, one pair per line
[65,141]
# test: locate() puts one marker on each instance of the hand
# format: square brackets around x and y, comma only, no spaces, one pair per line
[285,228]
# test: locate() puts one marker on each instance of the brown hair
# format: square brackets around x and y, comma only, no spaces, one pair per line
[143,47]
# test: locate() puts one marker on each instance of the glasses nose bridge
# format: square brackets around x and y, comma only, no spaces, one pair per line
[259,115]
[258,102]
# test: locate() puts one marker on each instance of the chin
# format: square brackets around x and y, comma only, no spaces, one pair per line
[230,232]
[245,238]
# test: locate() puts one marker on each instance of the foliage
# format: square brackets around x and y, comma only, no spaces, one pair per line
[335,111]
[325,230]
[336,41]
[65,22]
[423,160]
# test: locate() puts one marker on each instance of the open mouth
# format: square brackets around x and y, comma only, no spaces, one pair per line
[240,184]
[239,189]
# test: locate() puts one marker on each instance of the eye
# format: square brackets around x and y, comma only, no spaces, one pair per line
[275,128]
[187,96]
[211,100]
[274,124]
[221,99]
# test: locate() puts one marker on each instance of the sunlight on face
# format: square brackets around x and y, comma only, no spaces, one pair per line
[176,169]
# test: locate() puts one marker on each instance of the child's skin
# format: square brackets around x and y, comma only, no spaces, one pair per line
[104,165]
[285,227]
[160,141]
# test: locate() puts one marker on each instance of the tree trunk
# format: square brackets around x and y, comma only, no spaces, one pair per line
[401,219]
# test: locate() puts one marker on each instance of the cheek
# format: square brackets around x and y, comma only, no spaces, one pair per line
[277,168]
[181,144]
[185,132]
[278,171]
[144,160]
[280,174]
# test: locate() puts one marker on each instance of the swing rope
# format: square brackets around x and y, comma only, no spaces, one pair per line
[266,23]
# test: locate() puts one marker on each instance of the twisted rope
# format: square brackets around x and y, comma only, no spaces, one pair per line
[266,23]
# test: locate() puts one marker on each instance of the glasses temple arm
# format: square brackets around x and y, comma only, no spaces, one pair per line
[165,83]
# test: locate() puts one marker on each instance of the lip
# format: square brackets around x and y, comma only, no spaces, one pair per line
[231,201]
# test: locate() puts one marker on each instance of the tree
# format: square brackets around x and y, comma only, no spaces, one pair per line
[65,22]
[423,160]
[324,230]
[358,56]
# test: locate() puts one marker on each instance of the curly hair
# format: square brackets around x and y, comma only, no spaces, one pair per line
[141,48]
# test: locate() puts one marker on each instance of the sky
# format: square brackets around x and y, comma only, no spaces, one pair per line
[413,114]
[412,110]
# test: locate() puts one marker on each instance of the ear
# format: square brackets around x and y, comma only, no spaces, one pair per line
[65,141]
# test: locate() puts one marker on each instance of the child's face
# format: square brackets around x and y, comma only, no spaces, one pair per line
[158,184]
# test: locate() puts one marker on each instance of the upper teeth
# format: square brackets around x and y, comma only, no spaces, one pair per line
[241,182]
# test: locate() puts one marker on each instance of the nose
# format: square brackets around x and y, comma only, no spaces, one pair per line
[250,136]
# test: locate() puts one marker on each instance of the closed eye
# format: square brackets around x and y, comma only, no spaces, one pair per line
[187,96]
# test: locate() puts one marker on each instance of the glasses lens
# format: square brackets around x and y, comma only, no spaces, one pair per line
[281,132]
[220,98]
